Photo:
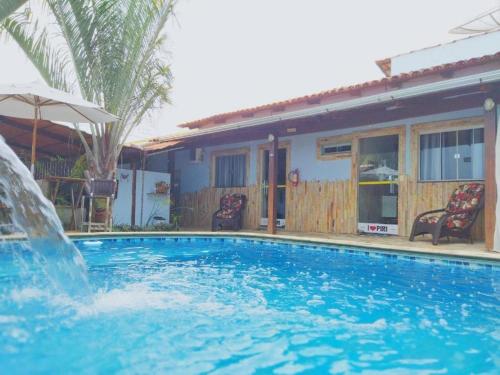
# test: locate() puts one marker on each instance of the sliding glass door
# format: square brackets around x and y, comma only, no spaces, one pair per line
[281,193]
[378,173]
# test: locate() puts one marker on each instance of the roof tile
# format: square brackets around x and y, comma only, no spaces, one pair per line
[315,98]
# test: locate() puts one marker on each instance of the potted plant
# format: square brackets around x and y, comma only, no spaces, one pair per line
[64,210]
[100,213]
[162,187]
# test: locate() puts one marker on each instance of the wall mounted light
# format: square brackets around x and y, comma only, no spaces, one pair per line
[489,104]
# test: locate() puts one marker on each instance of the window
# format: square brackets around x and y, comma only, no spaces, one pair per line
[452,155]
[196,155]
[230,170]
[336,147]
[192,154]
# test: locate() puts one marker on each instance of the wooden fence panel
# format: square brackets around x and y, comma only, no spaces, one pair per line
[323,206]
[198,207]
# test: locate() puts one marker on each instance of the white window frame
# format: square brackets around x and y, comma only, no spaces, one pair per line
[245,151]
[338,140]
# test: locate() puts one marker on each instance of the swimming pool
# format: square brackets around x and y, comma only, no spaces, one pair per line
[234,306]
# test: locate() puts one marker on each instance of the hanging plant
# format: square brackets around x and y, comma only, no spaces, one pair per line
[162,187]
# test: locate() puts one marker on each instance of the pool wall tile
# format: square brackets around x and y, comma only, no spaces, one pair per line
[291,245]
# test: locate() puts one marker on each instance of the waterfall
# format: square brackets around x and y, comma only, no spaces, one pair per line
[35,215]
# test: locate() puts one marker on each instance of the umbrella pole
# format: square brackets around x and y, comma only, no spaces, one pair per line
[33,139]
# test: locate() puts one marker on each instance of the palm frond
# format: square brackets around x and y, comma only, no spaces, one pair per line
[7,7]
[113,51]
[35,41]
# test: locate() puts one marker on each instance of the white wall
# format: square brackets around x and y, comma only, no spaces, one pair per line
[147,205]
[462,49]
[122,206]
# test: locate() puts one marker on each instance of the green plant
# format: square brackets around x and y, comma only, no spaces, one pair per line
[62,201]
[7,7]
[161,228]
[176,220]
[79,167]
[109,51]
[136,228]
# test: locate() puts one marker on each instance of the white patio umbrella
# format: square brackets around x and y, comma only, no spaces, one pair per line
[40,102]
[381,172]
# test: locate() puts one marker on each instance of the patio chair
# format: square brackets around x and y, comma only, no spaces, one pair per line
[457,217]
[99,189]
[230,214]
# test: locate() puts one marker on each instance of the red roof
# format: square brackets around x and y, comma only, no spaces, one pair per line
[52,139]
[158,145]
[316,98]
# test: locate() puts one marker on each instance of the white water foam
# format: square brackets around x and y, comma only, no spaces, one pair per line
[133,297]
[35,215]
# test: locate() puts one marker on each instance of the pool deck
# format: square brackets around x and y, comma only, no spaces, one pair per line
[422,245]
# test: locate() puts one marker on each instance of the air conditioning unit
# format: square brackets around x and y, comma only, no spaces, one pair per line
[196,155]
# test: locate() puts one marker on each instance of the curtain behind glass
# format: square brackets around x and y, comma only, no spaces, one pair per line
[477,154]
[230,171]
[453,155]
[449,166]
[464,150]
[471,151]
[430,157]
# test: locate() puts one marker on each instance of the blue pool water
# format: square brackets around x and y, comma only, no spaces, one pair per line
[238,306]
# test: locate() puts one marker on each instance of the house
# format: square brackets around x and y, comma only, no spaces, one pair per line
[363,158]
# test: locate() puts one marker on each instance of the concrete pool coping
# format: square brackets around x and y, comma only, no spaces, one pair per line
[367,243]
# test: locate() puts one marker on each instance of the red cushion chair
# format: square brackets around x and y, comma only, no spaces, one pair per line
[456,219]
[229,216]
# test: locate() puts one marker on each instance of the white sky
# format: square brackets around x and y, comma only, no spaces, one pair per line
[233,54]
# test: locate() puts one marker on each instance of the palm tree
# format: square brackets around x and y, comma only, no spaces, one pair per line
[7,7]
[108,51]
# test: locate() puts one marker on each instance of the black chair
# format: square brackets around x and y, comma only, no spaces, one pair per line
[99,189]
[457,218]
[230,214]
